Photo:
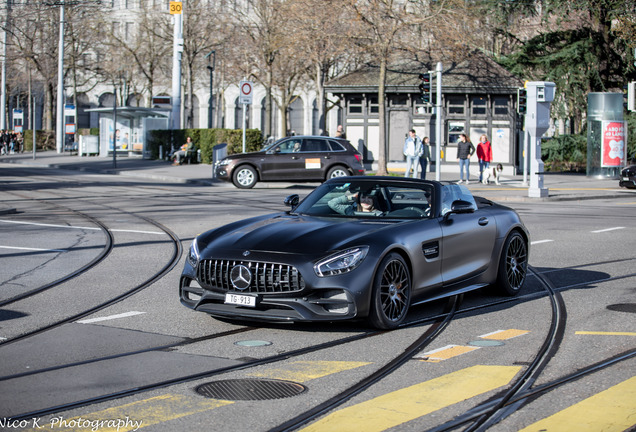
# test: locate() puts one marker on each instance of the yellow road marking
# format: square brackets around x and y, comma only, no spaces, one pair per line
[600,333]
[302,371]
[403,405]
[445,353]
[504,334]
[135,415]
[611,410]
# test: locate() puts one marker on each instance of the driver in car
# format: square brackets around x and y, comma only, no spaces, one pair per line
[350,205]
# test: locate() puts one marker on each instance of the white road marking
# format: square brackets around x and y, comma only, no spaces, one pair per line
[608,229]
[540,241]
[78,227]
[110,317]
[34,249]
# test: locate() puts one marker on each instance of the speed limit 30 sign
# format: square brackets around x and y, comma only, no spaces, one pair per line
[246,90]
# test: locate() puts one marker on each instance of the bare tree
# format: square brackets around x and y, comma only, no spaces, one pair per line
[259,36]
[388,30]
[34,33]
[321,34]
[137,57]
[201,34]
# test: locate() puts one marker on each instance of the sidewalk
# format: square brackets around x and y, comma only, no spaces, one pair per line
[561,186]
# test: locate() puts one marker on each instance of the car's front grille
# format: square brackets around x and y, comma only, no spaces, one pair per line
[265,277]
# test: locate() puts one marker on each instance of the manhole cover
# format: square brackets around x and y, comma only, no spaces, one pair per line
[250,389]
[623,307]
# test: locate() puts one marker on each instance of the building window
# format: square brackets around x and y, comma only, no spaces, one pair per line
[500,104]
[355,105]
[129,31]
[455,129]
[455,105]
[478,105]
[373,105]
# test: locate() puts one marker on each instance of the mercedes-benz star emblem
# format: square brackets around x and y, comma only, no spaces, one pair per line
[241,277]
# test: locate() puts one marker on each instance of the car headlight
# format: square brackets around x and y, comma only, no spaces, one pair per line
[224,162]
[193,255]
[342,262]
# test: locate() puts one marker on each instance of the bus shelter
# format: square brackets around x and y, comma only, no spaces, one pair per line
[129,137]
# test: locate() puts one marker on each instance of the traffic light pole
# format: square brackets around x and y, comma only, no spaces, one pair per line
[438,123]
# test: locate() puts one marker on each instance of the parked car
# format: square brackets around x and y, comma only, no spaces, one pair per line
[628,177]
[295,159]
[357,247]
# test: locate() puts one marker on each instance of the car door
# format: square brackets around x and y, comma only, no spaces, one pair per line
[283,162]
[467,239]
[314,154]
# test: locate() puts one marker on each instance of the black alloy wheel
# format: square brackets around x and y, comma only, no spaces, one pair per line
[513,265]
[391,295]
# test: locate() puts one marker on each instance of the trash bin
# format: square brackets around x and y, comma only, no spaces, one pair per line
[219,152]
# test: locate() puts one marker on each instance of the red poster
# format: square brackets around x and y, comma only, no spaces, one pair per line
[613,144]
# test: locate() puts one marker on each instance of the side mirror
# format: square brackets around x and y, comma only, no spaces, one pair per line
[292,201]
[460,207]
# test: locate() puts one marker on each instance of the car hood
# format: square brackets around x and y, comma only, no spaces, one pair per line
[285,233]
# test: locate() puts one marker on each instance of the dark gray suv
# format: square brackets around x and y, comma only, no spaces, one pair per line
[295,159]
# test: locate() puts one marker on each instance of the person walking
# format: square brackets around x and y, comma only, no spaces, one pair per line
[412,150]
[425,156]
[465,150]
[484,155]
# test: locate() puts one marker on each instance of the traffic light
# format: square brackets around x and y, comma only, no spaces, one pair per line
[425,88]
[522,101]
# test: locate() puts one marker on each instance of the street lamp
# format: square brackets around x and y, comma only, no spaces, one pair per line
[211,56]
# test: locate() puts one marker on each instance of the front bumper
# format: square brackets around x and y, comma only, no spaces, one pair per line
[222,172]
[333,298]
[328,305]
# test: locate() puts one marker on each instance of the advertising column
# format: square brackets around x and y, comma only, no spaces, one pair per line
[606,135]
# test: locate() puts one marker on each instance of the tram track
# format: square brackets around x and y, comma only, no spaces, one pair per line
[108,247]
[478,418]
[518,392]
[177,251]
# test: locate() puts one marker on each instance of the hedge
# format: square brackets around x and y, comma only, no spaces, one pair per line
[204,139]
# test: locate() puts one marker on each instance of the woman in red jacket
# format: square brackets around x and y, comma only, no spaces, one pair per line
[484,154]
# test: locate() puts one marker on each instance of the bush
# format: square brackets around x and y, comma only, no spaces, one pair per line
[565,153]
[204,139]
[45,140]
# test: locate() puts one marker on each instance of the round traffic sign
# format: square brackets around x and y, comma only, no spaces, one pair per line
[246,88]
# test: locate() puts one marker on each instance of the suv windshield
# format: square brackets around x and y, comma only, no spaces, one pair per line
[369,199]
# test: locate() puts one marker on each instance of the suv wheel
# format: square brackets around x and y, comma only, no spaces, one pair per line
[337,171]
[244,177]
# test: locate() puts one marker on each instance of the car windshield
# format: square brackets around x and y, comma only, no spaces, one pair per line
[370,199]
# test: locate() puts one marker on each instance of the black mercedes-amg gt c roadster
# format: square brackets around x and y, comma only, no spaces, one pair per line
[357,247]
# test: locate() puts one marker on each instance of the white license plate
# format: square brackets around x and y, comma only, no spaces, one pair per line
[625,178]
[241,300]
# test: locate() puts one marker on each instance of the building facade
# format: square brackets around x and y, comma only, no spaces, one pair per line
[479,97]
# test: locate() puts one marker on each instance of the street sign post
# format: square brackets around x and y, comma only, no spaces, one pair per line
[245,98]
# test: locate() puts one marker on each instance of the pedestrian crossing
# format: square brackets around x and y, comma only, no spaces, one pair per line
[612,409]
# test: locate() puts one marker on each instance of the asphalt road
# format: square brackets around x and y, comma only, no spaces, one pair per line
[582,249]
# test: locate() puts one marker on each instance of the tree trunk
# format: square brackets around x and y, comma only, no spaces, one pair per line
[382,150]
